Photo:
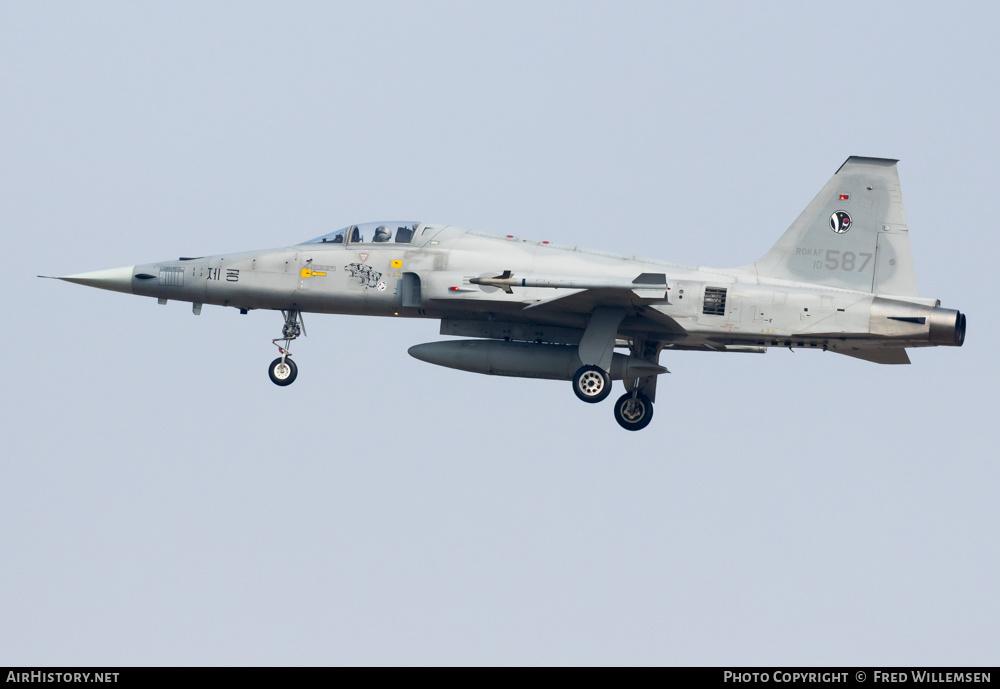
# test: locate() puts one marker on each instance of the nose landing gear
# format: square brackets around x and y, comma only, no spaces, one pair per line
[283,370]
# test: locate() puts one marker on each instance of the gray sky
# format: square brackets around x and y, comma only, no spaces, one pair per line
[161,502]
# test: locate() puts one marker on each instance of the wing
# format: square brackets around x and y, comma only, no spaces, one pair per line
[586,300]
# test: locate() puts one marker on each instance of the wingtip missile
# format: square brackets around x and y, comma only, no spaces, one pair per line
[504,281]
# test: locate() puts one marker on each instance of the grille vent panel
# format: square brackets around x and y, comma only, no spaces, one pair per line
[172,276]
[715,301]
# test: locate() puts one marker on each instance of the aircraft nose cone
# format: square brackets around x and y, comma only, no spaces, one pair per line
[115,279]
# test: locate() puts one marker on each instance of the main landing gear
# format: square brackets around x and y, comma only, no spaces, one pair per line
[283,370]
[592,381]
[633,410]
[592,384]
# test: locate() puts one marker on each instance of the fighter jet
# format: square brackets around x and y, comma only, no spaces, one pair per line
[841,279]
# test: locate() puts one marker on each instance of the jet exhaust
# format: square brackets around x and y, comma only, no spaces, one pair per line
[947,327]
[917,323]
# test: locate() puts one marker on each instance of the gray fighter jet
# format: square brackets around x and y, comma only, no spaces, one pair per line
[841,279]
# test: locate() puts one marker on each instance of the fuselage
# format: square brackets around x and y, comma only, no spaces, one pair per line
[841,279]
[429,277]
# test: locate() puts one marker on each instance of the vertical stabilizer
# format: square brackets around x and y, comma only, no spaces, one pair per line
[853,235]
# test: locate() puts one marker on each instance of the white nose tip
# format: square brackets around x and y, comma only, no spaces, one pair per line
[116,279]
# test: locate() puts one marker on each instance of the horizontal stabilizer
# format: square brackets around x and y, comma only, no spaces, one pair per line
[895,355]
[745,349]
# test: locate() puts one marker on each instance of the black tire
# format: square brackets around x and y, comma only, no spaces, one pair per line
[633,417]
[279,375]
[592,384]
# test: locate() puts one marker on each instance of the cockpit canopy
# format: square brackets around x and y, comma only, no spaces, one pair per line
[395,231]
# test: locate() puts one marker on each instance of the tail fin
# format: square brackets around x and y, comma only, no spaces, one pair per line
[853,235]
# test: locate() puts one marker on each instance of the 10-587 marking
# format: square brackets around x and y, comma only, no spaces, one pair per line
[848,262]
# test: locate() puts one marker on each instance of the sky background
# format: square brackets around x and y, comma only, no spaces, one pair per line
[162,502]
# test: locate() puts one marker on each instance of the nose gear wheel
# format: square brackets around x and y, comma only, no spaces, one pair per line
[283,371]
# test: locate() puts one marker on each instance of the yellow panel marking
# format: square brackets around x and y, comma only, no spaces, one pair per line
[317,274]
[397,264]
[307,273]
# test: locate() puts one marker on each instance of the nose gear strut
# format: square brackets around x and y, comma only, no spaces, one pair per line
[283,370]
